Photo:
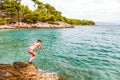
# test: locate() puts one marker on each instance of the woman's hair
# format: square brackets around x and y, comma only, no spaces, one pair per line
[39,40]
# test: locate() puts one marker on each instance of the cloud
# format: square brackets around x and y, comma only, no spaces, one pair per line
[28,3]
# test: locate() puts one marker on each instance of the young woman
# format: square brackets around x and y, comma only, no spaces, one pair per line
[32,47]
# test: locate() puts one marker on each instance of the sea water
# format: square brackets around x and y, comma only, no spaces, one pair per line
[80,53]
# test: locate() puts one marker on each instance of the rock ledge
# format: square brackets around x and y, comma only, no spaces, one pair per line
[24,71]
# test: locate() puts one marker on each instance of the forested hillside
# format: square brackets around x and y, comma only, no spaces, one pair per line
[12,11]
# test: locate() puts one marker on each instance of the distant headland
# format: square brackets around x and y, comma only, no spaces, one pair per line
[14,15]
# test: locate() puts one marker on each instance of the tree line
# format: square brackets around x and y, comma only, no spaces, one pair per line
[12,11]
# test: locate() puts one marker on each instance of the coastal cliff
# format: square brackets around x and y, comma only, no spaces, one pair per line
[24,71]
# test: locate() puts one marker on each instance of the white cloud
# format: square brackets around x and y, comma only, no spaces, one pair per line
[98,10]
[28,3]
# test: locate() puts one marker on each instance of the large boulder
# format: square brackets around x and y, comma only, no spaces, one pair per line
[8,72]
[24,71]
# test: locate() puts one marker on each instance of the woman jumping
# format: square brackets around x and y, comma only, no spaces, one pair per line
[32,47]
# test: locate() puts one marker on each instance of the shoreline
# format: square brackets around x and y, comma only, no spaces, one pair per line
[21,25]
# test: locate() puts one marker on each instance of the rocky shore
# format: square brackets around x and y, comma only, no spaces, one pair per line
[24,71]
[36,25]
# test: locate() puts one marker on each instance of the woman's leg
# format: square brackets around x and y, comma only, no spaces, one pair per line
[32,56]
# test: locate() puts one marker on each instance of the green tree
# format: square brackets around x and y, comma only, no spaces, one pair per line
[26,15]
[1,21]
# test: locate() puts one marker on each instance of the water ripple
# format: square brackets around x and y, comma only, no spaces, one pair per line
[80,53]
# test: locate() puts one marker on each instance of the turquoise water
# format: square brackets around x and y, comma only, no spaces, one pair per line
[80,53]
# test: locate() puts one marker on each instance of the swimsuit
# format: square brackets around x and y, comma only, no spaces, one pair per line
[29,50]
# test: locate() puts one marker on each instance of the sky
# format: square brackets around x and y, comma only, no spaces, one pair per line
[96,10]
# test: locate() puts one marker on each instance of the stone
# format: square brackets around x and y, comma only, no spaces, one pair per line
[24,71]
